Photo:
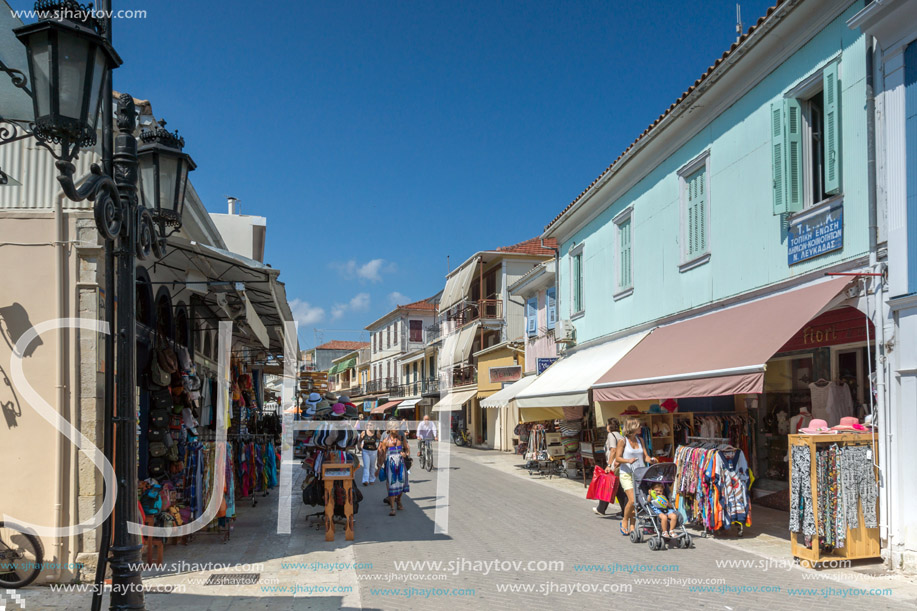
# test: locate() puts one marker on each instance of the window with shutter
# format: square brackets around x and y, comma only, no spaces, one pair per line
[531,316]
[551,306]
[695,196]
[794,156]
[576,285]
[625,262]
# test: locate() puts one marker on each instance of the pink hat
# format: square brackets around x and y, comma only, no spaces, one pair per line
[338,409]
[849,423]
[817,427]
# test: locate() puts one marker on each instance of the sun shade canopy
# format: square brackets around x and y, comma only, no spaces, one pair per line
[505,396]
[457,285]
[454,401]
[567,381]
[722,353]
[408,403]
[384,407]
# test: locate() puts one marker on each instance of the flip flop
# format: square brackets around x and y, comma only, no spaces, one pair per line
[624,532]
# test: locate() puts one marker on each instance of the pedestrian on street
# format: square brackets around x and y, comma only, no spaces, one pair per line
[426,431]
[611,451]
[630,455]
[369,446]
[393,466]
[403,427]
[361,422]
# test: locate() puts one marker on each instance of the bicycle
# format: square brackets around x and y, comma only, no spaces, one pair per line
[426,454]
[21,556]
[461,438]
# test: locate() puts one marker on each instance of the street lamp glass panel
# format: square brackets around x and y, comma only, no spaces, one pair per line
[73,59]
[95,89]
[167,175]
[148,179]
[40,51]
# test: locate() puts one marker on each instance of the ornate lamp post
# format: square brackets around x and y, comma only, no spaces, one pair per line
[70,61]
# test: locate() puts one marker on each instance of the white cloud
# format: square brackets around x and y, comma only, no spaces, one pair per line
[359,303]
[371,270]
[306,314]
[397,298]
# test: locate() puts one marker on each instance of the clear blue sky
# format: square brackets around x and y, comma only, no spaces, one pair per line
[407,132]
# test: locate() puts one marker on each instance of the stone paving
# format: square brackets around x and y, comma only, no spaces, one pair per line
[497,513]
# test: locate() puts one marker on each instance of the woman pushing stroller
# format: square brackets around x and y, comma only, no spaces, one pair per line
[630,455]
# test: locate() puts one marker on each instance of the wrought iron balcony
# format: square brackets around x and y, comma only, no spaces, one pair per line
[471,311]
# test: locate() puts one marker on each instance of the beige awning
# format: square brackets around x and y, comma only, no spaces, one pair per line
[505,396]
[538,414]
[457,285]
[464,343]
[454,400]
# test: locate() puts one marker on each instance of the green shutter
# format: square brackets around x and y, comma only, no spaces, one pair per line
[832,129]
[577,282]
[777,161]
[696,204]
[794,158]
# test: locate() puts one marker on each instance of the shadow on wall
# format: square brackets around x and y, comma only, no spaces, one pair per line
[14,322]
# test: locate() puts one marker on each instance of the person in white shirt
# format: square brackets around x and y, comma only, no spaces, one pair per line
[427,429]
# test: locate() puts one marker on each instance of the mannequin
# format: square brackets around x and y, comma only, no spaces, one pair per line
[800,421]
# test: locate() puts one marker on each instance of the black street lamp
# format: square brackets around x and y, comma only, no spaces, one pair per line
[70,61]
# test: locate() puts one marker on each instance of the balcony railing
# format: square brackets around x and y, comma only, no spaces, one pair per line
[460,376]
[381,385]
[471,311]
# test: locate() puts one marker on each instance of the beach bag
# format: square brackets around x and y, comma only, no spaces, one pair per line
[157,449]
[159,419]
[157,467]
[151,501]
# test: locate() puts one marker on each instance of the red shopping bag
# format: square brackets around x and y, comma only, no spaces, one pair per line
[603,486]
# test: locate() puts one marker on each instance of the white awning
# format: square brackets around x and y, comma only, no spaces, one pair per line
[567,381]
[410,359]
[408,404]
[505,396]
[464,343]
[447,352]
[457,285]
[454,400]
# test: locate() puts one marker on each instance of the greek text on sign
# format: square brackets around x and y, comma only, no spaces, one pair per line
[505,374]
[815,235]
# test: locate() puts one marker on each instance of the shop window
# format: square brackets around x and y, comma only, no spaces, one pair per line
[806,143]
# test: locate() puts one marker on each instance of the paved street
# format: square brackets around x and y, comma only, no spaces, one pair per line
[494,515]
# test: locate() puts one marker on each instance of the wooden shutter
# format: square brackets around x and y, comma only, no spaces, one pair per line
[794,159]
[696,204]
[832,141]
[577,282]
[531,316]
[624,254]
[777,161]
[551,306]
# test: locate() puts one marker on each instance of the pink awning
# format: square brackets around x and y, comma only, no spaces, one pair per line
[384,407]
[722,353]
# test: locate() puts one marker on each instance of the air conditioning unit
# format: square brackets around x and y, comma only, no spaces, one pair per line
[565,332]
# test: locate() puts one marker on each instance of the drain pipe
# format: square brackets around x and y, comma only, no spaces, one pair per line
[61,298]
[882,407]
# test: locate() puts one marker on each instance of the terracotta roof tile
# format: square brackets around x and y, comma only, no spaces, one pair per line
[423,304]
[531,247]
[338,344]
[702,78]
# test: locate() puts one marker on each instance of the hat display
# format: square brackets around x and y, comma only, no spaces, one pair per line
[351,410]
[331,397]
[851,424]
[631,411]
[323,407]
[314,398]
[817,426]
[338,409]
[344,399]
[655,408]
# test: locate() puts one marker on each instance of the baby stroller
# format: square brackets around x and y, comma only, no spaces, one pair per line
[647,522]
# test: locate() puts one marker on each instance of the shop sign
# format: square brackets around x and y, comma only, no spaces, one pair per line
[368,406]
[512,373]
[544,363]
[843,326]
[813,235]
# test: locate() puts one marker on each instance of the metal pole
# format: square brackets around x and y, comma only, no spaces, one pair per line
[109,392]
[125,552]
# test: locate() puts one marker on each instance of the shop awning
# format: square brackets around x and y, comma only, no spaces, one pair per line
[504,397]
[343,366]
[540,414]
[409,403]
[385,407]
[454,401]
[457,285]
[722,353]
[464,343]
[567,381]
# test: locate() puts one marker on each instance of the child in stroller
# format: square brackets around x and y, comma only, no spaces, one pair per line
[659,523]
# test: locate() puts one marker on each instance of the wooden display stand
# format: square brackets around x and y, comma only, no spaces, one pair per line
[861,542]
[331,473]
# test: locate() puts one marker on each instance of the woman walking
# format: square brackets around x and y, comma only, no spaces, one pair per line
[630,455]
[393,466]
[369,446]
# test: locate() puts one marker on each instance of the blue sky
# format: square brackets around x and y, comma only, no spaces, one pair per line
[380,137]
